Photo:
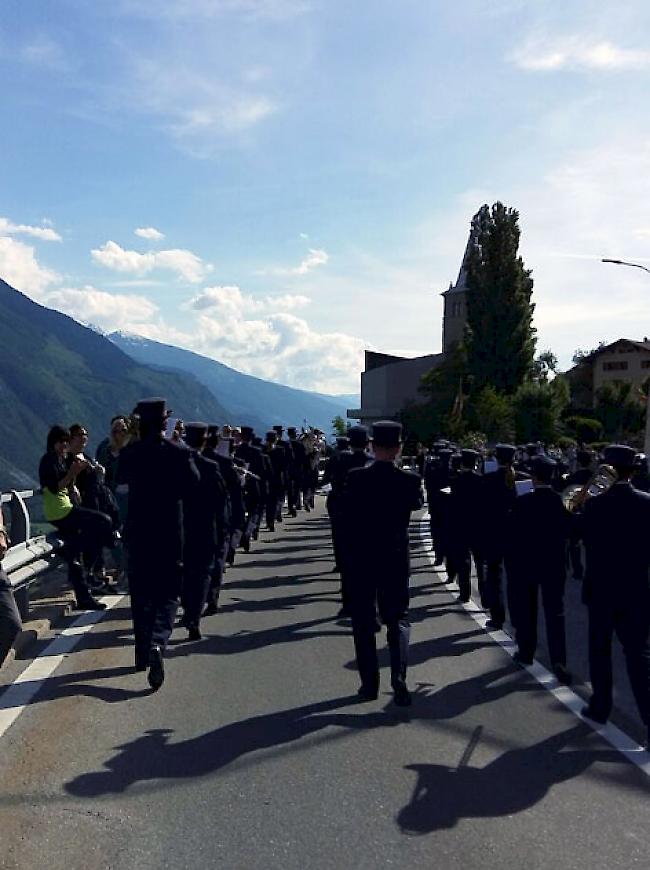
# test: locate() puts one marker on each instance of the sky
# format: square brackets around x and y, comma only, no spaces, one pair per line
[282,184]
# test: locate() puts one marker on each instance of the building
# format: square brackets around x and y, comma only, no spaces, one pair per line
[624,360]
[390,383]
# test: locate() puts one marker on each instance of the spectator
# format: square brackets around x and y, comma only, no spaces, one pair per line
[108,451]
[10,622]
[84,530]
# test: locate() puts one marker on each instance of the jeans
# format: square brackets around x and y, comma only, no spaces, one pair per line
[10,622]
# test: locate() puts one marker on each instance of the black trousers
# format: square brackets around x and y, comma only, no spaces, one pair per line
[631,622]
[393,610]
[525,597]
[462,553]
[155,590]
[10,622]
[398,632]
[196,586]
[85,531]
[335,523]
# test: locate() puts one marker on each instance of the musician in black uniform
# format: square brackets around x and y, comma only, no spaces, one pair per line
[497,500]
[255,487]
[378,502]
[614,529]
[285,445]
[436,479]
[298,471]
[539,530]
[218,450]
[160,477]
[203,520]
[580,477]
[277,481]
[464,519]
[333,501]
[355,457]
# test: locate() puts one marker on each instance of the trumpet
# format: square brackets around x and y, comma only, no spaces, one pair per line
[575,495]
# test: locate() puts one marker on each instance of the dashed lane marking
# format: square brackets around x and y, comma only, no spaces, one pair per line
[21,692]
[613,735]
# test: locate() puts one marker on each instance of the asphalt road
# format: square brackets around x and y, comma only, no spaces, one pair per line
[256,753]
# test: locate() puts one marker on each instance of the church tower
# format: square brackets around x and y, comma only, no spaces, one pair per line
[455,308]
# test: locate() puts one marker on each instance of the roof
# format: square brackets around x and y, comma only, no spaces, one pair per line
[461,282]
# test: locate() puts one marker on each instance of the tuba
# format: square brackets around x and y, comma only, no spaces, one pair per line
[575,495]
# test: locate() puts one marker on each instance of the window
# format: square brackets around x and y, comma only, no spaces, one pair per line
[455,309]
[614,366]
[645,363]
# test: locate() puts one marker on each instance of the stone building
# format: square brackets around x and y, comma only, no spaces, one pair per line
[623,360]
[389,383]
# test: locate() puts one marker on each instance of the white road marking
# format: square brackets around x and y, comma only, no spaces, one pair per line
[26,686]
[613,735]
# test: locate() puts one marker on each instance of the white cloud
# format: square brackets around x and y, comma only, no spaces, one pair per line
[109,311]
[315,258]
[199,108]
[20,268]
[44,233]
[183,263]
[231,300]
[541,54]
[150,233]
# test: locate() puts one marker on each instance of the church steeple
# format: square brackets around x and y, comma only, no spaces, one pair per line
[455,310]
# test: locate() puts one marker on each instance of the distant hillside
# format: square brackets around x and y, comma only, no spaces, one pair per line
[252,401]
[53,370]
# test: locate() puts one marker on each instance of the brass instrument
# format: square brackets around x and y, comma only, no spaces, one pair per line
[575,495]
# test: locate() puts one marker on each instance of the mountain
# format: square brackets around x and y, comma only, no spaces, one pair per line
[53,370]
[252,401]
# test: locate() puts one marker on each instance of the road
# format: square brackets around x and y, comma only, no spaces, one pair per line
[256,753]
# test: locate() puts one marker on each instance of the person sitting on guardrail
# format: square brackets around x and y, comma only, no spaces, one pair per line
[84,530]
[10,622]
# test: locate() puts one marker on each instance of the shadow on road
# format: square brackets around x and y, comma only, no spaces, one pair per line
[513,783]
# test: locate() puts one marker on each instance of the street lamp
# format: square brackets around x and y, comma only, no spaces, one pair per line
[646,445]
[625,263]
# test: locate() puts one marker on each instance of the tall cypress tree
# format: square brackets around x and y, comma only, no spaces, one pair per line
[500,336]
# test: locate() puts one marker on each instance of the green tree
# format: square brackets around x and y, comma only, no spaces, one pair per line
[621,408]
[538,407]
[500,335]
[584,429]
[339,426]
[492,413]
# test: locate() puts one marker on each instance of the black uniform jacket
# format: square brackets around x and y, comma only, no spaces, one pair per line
[234,487]
[540,526]
[464,507]
[378,501]
[203,513]
[497,501]
[614,527]
[160,476]
[345,462]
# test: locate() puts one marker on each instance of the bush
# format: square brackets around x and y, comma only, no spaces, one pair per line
[563,442]
[584,429]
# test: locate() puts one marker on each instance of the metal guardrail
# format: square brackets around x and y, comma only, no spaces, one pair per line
[28,557]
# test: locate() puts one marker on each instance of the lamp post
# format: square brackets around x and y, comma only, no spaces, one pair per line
[646,444]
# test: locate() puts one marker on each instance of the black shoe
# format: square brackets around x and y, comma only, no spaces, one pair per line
[156,675]
[463,599]
[588,712]
[211,609]
[343,613]
[368,693]
[194,632]
[438,561]
[245,544]
[279,519]
[449,578]
[494,625]
[271,527]
[402,696]
[563,676]
[307,508]
[522,659]
[293,513]
[89,602]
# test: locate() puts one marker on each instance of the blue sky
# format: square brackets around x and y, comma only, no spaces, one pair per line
[280,184]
